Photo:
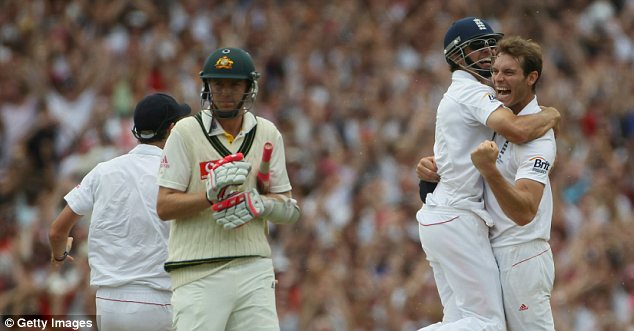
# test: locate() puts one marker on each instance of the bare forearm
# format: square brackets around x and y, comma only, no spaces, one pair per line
[530,127]
[57,242]
[515,203]
[59,231]
[177,205]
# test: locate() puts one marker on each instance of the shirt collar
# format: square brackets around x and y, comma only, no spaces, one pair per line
[248,123]
[531,108]
[462,74]
[146,149]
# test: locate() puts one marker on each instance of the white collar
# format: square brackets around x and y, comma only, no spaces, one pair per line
[463,74]
[531,108]
[248,123]
[146,149]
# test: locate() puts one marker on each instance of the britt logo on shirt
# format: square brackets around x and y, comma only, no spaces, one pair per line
[540,165]
[205,168]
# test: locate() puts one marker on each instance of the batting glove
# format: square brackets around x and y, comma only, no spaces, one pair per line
[227,172]
[240,209]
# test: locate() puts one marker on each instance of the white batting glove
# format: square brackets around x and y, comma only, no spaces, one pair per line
[240,209]
[227,172]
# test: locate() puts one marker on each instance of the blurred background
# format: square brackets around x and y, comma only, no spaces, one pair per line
[353,86]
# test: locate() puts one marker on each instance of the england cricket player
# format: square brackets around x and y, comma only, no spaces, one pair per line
[220,260]
[517,193]
[454,225]
[127,242]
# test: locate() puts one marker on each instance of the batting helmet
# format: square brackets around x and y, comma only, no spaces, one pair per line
[229,63]
[473,33]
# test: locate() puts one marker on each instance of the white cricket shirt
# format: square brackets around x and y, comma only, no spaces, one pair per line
[127,242]
[460,128]
[532,160]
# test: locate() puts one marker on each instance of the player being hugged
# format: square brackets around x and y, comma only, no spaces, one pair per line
[219,257]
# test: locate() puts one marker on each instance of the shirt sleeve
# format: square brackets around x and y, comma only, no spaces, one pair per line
[536,158]
[175,169]
[279,175]
[481,102]
[81,198]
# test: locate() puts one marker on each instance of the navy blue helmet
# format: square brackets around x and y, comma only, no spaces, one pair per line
[470,33]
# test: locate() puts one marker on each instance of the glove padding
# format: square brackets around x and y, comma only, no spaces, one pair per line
[240,209]
[229,171]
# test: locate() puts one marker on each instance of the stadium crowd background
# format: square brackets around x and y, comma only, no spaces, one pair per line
[353,85]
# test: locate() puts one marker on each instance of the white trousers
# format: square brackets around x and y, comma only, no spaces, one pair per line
[457,246]
[239,297]
[527,272]
[133,307]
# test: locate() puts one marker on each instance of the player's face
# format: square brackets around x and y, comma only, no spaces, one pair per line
[513,88]
[481,52]
[227,94]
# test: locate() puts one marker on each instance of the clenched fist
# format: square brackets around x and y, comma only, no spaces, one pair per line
[484,156]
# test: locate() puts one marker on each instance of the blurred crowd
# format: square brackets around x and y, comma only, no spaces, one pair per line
[353,86]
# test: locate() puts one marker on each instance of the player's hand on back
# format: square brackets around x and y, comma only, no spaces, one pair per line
[556,117]
[427,170]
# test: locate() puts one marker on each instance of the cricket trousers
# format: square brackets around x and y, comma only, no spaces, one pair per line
[457,246]
[527,273]
[235,297]
[133,307]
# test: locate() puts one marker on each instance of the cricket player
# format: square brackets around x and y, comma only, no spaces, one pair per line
[453,223]
[517,193]
[127,242]
[219,256]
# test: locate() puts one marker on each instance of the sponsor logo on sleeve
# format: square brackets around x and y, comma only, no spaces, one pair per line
[164,162]
[540,165]
[491,97]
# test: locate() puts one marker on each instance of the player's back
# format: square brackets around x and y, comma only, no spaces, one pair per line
[460,127]
[127,240]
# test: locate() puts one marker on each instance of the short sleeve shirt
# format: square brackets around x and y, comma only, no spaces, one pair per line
[127,242]
[532,160]
[460,128]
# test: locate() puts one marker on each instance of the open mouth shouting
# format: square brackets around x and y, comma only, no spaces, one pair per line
[503,94]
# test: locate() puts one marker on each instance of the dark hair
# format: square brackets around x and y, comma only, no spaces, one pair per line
[526,51]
